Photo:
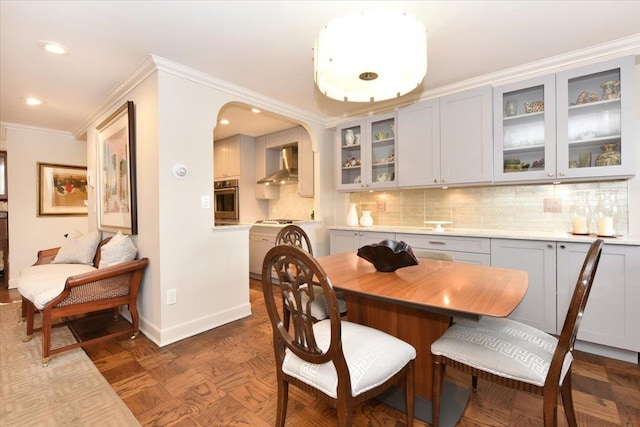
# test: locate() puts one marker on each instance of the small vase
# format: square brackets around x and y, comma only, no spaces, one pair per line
[366,220]
[349,137]
[511,108]
[610,157]
[352,216]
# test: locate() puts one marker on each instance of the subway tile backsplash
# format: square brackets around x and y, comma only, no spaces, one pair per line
[516,207]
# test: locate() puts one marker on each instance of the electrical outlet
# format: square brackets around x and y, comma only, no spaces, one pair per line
[172,297]
[553,205]
[381,205]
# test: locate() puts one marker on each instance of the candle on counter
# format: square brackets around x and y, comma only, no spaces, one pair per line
[605,226]
[580,225]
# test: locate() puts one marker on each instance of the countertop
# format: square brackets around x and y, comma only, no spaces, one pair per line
[502,234]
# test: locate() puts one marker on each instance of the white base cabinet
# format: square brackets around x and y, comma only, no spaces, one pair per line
[259,245]
[538,259]
[351,240]
[611,317]
[469,250]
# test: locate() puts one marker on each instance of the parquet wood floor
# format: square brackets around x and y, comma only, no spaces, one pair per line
[226,377]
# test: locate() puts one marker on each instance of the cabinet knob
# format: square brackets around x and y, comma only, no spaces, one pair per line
[562,246]
[443,180]
[549,245]
[550,174]
[561,174]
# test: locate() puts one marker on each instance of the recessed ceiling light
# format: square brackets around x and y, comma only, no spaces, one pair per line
[255,110]
[53,47]
[33,101]
[224,122]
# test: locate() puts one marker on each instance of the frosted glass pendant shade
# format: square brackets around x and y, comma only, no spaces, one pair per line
[370,55]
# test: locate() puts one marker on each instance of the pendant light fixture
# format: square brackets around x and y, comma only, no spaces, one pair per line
[370,55]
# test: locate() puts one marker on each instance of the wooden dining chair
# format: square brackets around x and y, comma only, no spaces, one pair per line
[339,362]
[516,355]
[296,236]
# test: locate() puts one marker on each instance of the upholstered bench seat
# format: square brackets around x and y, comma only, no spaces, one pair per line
[372,356]
[502,347]
[42,283]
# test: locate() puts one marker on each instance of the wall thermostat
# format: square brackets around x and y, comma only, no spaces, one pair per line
[180,170]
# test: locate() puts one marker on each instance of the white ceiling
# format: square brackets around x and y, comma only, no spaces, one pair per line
[265,46]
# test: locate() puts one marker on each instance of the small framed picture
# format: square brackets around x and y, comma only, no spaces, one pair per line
[62,190]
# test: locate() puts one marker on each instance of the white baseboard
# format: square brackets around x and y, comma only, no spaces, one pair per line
[611,352]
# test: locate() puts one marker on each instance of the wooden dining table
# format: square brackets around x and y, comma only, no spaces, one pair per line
[416,303]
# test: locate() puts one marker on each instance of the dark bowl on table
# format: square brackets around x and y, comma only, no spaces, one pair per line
[388,255]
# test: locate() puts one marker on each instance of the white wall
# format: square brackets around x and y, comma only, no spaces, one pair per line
[207,266]
[29,233]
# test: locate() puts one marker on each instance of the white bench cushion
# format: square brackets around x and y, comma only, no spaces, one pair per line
[502,347]
[42,283]
[372,356]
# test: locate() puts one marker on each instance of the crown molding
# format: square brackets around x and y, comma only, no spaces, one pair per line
[241,93]
[155,63]
[127,85]
[8,125]
[615,49]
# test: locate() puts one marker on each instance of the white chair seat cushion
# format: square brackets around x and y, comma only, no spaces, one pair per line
[372,357]
[42,283]
[502,347]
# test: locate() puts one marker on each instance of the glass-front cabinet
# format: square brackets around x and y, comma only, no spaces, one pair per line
[525,130]
[596,106]
[571,125]
[366,154]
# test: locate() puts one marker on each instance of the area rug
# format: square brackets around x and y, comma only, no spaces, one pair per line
[69,392]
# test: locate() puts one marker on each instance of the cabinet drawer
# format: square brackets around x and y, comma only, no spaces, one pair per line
[447,243]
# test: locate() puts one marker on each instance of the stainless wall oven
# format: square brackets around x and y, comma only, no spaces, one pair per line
[226,201]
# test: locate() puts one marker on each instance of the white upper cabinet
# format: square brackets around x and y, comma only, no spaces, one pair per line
[596,115]
[447,140]
[366,154]
[466,137]
[576,124]
[419,144]
[525,130]
[226,158]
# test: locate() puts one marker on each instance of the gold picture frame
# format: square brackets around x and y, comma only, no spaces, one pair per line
[62,190]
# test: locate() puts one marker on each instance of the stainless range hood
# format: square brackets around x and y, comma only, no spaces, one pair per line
[289,172]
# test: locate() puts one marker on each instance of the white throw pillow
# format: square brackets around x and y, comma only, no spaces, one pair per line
[80,250]
[119,249]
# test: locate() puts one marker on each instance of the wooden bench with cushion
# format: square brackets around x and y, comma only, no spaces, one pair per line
[62,284]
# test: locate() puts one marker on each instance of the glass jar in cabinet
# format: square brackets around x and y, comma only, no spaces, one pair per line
[524,130]
[596,105]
